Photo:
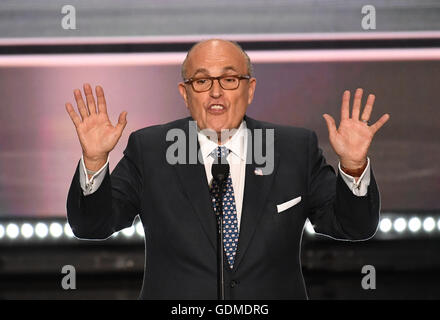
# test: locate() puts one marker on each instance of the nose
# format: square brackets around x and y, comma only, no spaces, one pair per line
[216,89]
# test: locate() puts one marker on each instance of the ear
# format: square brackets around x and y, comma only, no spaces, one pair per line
[251,89]
[183,93]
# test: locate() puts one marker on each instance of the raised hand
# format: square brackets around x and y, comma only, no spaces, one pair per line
[353,137]
[96,133]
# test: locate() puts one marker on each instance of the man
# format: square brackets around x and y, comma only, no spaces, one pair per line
[264,214]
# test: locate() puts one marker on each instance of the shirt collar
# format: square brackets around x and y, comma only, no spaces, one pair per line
[236,144]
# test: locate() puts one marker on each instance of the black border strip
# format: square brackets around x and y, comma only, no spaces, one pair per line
[247,45]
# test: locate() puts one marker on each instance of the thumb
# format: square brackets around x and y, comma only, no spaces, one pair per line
[330,124]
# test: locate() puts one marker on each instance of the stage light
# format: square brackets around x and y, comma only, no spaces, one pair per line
[19,230]
[12,231]
[55,229]
[68,231]
[139,229]
[128,232]
[414,224]
[400,224]
[41,230]
[27,230]
[385,225]
[309,227]
[429,224]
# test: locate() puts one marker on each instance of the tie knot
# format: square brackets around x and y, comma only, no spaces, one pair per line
[220,152]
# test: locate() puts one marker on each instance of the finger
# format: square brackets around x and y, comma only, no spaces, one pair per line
[357,104]
[368,107]
[122,121]
[102,105]
[90,99]
[345,107]
[81,105]
[379,123]
[331,125]
[75,118]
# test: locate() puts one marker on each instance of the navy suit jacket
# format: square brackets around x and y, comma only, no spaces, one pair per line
[174,205]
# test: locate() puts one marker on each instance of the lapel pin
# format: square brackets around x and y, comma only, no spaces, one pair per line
[258,172]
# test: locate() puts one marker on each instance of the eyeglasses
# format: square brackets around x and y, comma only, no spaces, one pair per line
[229,82]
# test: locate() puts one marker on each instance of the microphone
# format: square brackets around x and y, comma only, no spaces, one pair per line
[220,172]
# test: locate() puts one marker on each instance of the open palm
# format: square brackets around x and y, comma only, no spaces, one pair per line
[353,137]
[96,133]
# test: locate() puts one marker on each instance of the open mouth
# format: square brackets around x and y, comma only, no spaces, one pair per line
[216,108]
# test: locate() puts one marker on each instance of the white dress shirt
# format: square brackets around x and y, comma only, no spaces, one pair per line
[237,144]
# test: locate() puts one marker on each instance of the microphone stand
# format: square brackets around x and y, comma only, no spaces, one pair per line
[220,172]
[221,279]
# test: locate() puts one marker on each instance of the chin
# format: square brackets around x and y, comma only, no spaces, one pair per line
[215,128]
[218,124]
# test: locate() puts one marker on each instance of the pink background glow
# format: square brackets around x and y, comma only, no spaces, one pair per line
[39,149]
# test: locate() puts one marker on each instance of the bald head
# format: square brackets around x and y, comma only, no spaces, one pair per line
[215,44]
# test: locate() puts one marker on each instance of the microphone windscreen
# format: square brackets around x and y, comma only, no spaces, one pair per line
[220,171]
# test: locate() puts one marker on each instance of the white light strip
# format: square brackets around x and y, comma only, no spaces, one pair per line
[260,37]
[278,56]
[389,224]
[41,230]
[27,230]
[12,231]
[400,224]
[429,224]
[385,225]
[397,225]
[68,231]
[414,224]
[55,230]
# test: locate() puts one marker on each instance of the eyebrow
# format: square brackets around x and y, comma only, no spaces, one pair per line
[225,69]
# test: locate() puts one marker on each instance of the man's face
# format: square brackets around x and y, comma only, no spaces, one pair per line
[213,59]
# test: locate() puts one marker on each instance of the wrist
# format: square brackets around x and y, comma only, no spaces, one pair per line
[354,169]
[93,165]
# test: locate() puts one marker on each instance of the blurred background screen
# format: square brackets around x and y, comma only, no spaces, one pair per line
[305,54]
[40,150]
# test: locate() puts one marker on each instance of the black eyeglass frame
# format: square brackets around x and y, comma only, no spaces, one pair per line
[238,76]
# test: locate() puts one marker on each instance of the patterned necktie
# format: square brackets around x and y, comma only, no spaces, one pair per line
[230,225]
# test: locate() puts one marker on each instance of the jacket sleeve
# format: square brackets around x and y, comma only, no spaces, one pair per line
[334,210]
[116,202]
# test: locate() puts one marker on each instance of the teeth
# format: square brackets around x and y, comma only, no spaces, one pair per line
[217,107]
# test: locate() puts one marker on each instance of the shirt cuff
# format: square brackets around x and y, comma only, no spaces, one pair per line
[90,186]
[359,188]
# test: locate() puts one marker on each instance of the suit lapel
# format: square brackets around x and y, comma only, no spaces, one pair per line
[256,190]
[195,186]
